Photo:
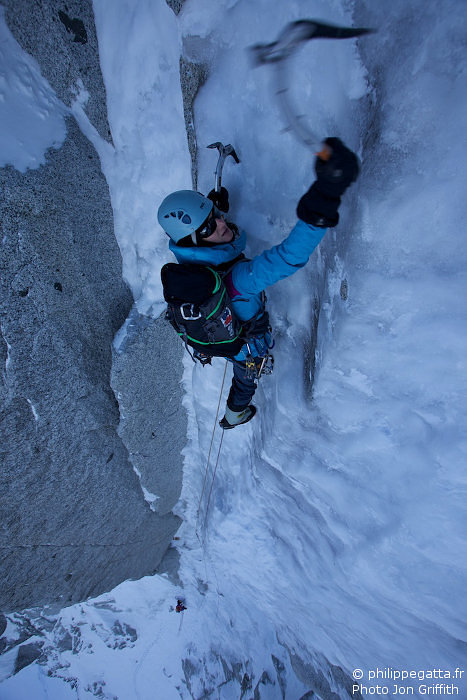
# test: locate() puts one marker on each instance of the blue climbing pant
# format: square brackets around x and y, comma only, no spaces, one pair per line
[243,387]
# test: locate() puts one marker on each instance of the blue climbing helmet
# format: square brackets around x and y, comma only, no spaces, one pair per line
[183,213]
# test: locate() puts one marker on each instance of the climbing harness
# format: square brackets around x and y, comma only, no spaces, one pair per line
[256,367]
[267,365]
[250,365]
[200,356]
[279,54]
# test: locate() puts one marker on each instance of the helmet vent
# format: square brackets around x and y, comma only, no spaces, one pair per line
[182,213]
[186,219]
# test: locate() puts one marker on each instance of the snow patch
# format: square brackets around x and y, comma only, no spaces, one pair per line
[32,118]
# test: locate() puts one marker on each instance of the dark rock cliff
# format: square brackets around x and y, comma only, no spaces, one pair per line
[74,521]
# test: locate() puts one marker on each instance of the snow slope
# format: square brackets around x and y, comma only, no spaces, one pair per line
[334,535]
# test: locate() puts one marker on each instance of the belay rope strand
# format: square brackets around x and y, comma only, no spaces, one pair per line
[213,477]
[209,458]
[256,371]
[206,555]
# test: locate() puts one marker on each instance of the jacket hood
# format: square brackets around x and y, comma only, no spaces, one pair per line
[215,255]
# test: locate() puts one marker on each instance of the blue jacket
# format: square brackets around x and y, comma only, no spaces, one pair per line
[248,278]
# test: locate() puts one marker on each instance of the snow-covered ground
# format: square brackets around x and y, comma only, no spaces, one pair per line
[335,530]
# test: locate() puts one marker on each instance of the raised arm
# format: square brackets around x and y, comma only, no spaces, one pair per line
[336,168]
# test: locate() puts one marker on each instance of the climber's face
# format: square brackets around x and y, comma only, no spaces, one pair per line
[221,234]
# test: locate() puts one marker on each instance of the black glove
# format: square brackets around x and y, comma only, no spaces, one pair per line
[220,199]
[320,204]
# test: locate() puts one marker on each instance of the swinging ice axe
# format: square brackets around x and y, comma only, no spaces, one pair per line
[280,52]
[224,151]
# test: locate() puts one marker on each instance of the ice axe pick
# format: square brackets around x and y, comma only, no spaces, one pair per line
[279,54]
[224,152]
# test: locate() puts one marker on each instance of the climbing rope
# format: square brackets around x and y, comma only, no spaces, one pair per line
[213,477]
[206,556]
[209,456]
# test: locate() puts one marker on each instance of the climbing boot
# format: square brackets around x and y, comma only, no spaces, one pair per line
[234,418]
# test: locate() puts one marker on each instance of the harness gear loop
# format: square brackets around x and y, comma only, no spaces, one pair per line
[255,368]
[266,366]
[250,365]
[202,359]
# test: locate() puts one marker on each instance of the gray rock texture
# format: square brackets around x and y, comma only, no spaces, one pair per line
[332,684]
[146,375]
[74,522]
[193,75]
[62,38]
[175,5]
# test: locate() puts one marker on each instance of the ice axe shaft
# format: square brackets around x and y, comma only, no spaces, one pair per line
[295,33]
[224,152]
[279,54]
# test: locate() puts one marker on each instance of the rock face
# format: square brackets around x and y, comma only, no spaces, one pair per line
[62,38]
[146,375]
[74,521]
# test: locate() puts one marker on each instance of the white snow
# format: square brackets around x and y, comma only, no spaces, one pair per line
[336,522]
[32,118]
[139,49]
[33,409]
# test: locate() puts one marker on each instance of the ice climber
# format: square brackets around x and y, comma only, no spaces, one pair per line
[200,236]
